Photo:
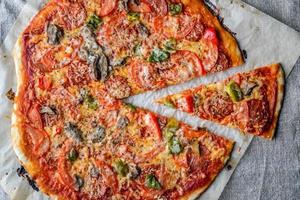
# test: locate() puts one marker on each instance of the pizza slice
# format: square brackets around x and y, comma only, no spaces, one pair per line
[249,101]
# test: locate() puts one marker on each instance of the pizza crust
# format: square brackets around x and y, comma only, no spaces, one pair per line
[16,132]
[280,94]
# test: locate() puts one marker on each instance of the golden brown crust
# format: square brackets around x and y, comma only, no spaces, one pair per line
[280,94]
[230,44]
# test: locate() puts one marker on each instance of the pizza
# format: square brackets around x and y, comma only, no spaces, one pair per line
[77,60]
[249,101]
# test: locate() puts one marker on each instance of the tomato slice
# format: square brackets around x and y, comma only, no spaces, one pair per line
[39,139]
[143,7]
[160,7]
[210,51]
[186,65]
[186,103]
[145,75]
[151,122]
[35,117]
[107,6]
[211,35]
[177,27]
[44,83]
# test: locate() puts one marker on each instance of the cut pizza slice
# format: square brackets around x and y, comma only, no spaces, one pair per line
[249,101]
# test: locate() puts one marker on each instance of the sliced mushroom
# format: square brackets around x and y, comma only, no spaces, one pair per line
[78,182]
[50,110]
[54,34]
[73,132]
[143,30]
[247,87]
[123,5]
[122,122]
[99,68]
[94,172]
[134,171]
[97,135]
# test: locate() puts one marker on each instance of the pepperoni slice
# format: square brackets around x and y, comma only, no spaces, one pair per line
[118,87]
[106,7]
[197,32]
[78,73]
[176,27]
[72,14]
[254,116]
[222,63]
[160,7]
[218,106]
[185,65]
[210,52]
[145,75]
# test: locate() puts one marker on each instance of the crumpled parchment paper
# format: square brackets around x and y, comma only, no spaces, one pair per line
[265,40]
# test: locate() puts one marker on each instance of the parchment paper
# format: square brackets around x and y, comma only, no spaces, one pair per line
[265,39]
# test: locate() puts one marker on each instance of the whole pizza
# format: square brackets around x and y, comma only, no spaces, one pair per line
[78,59]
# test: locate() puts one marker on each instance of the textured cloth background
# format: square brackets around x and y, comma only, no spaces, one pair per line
[268,170]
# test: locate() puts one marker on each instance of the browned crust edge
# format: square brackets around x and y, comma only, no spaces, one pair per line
[280,95]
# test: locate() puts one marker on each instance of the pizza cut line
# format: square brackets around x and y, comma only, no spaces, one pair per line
[249,101]
[77,60]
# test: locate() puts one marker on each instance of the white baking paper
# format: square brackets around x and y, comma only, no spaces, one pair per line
[265,39]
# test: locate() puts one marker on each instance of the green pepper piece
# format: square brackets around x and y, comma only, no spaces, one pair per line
[133,16]
[152,182]
[73,155]
[174,146]
[170,45]
[169,103]
[137,50]
[93,22]
[170,129]
[175,9]
[91,102]
[121,168]
[158,55]
[131,106]
[234,91]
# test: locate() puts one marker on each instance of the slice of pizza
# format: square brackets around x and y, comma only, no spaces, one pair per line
[249,101]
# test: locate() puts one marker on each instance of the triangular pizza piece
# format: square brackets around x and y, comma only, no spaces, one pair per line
[249,101]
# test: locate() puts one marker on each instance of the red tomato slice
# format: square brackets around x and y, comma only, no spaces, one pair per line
[39,139]
[211,35]
[106,7]
[151,122]
[143,7]
[44,83]
[186,103]
[144,75]
[160,7]
[187,65]
[210,51]
[35,117]
[175,26]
